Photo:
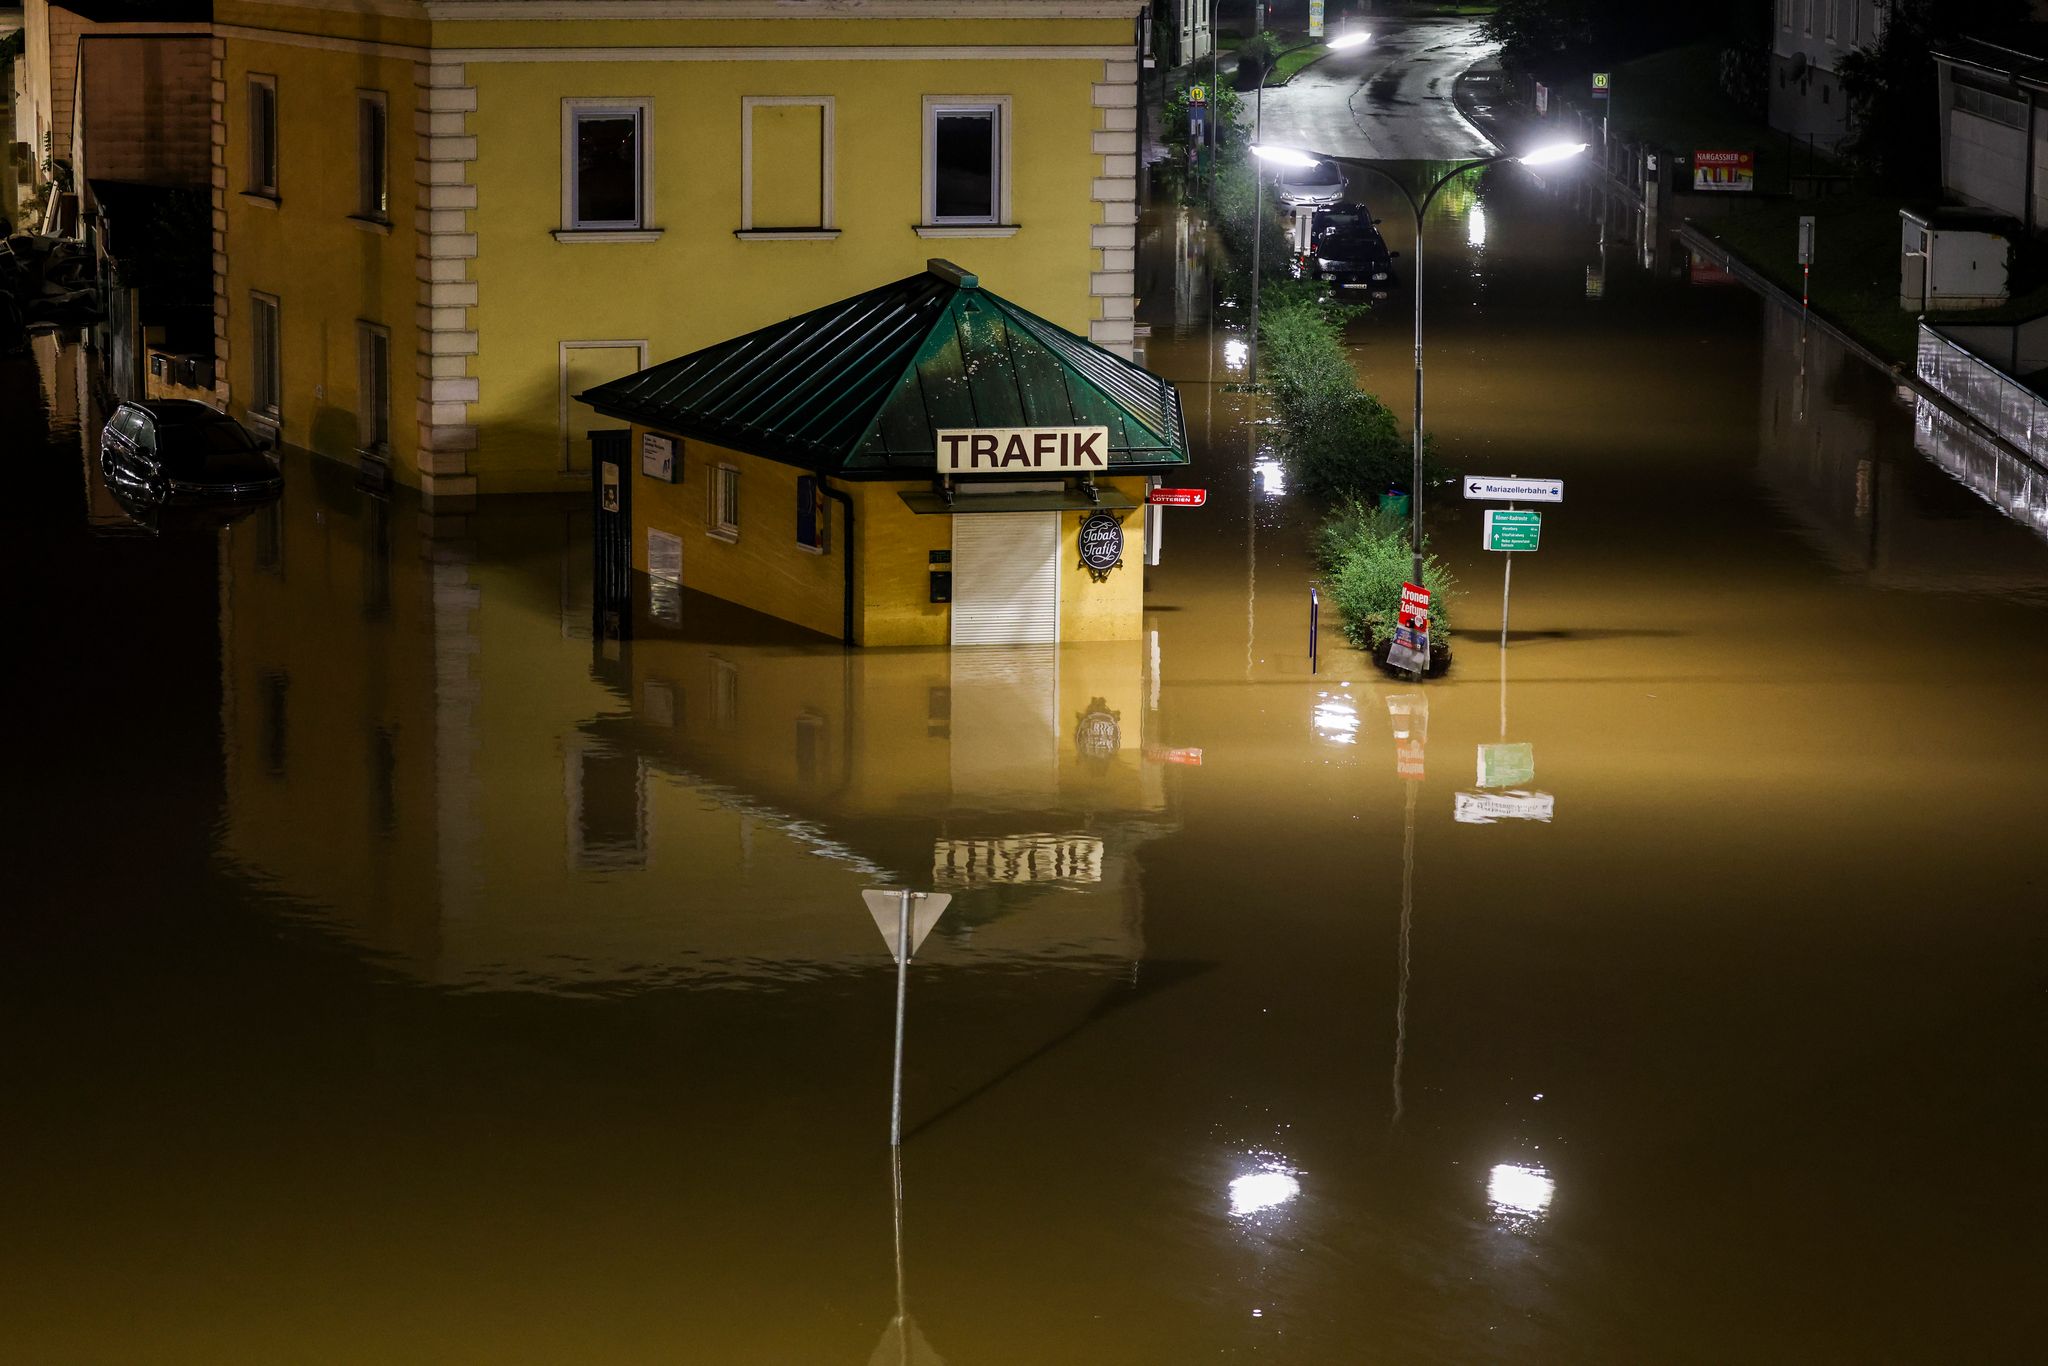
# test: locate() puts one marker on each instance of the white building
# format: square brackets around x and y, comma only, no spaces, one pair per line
[1807,44]
[1994,138]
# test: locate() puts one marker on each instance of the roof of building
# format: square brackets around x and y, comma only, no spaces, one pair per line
[860,387]
[2022,55]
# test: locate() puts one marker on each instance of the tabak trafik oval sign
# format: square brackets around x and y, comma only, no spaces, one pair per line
[1102,544]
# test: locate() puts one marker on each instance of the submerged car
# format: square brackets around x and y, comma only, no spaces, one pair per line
[181,451]
[1346,250]
[1306,187]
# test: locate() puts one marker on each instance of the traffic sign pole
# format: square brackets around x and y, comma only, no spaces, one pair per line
[902,999]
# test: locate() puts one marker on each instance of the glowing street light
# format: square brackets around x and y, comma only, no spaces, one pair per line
[1541,156]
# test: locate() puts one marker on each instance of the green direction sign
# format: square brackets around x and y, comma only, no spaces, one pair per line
[1509,530]
[1507,765]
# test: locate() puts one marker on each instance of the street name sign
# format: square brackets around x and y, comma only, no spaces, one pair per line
[1484,808]
[1511,531]
[886,906]
[1507,765]
[987,450]
[1177,498]
[1490,489]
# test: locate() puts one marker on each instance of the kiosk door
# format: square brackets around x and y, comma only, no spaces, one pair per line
[1006,578]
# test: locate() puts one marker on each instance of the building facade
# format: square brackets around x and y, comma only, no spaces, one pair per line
[437,222]
[1809,39]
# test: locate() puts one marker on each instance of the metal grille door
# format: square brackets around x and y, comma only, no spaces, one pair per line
[1006,578]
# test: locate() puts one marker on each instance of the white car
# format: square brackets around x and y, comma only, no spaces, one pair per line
[1311,186]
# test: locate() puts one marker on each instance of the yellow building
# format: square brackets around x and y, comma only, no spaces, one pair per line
[436,222]
[924,463]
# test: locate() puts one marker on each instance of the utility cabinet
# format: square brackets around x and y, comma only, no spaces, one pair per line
[1951,262]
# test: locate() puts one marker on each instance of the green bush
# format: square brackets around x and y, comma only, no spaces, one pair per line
[1340,442]
[1365,558]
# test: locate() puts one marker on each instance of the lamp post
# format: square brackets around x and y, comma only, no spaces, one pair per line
[1542,156]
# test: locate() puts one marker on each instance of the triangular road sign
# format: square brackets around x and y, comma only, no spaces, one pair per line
[885,906]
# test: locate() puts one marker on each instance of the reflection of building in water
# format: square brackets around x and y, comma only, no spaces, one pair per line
[1847,465]
[422,739]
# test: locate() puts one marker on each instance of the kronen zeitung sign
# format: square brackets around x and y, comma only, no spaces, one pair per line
[1005,450]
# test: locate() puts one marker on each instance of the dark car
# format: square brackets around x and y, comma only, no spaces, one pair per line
[179,451]
[1346,249]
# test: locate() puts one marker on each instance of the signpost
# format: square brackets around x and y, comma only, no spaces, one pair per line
[1805,259]
[1512,531]
[1484,808]
[1410,649]
[903,929]
[1603,85]
[1492,489]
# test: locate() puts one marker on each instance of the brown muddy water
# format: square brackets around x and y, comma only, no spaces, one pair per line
[396,972]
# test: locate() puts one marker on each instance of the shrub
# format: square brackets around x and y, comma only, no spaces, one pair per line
[1340,442]
[1365,557]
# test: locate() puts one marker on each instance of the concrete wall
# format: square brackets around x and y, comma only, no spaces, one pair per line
[1987,162]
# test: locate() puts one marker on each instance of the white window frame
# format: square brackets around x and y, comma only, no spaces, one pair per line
[262,179]
[724,481]
[368,384]
[272,413]
[564,398]
[369,212]
[827,226]
[929,224]
[578,107]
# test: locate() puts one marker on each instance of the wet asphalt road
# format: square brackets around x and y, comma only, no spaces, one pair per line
[1389,99]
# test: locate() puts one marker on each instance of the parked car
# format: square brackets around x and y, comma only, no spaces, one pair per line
[178,451]
[1307,187]
[1346,249]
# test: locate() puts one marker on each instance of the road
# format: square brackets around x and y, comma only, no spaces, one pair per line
[1390,99]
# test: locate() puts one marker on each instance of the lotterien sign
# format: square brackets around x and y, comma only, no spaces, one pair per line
[1003,450]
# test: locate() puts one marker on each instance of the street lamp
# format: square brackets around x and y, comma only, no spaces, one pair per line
[1542,156]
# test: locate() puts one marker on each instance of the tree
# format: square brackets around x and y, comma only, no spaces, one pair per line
[1891,87]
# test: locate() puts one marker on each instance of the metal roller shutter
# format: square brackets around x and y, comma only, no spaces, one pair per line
[1006,578]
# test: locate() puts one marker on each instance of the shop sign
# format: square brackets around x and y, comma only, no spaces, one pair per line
[1102,544]
[658,456]
[999,450]
[1177,498]
[1724,171]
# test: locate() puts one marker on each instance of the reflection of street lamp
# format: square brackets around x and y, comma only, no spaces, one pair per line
[1542,156]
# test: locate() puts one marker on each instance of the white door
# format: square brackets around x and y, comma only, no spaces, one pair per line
[1006,578]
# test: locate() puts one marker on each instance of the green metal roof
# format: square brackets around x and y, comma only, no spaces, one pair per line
[859,387]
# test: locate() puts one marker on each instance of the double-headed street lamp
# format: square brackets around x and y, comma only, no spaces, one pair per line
[1542,156]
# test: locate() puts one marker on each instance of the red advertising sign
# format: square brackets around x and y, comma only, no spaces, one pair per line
[1177,498]
[1157,754]
[1724,170]
[1408,758]
[1411,630]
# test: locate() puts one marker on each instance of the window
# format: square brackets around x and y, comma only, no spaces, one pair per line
[967,164]
[786,166]
[724,516]
[812,516]
[1806,20]
[266,351]
[373,181]
[263,136]
[605,170]
[1784,13]
[373,389]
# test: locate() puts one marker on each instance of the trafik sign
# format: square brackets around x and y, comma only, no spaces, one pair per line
[995,450]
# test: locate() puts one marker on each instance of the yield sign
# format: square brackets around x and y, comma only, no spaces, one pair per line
[886,906]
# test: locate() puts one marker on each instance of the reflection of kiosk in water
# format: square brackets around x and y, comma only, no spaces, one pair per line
[417,746]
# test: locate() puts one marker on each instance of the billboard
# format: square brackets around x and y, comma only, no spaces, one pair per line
[1724,170]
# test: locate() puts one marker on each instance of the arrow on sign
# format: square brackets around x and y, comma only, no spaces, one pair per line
[886,907]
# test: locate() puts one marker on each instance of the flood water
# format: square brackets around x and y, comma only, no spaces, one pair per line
[398,970]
